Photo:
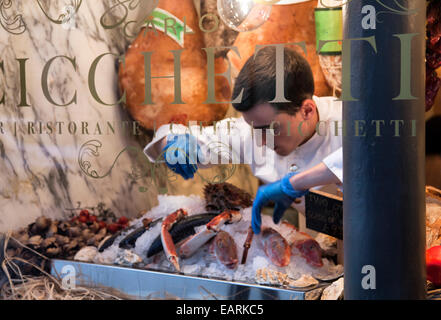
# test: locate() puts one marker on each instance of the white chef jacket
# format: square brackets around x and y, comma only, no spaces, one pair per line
[324,146]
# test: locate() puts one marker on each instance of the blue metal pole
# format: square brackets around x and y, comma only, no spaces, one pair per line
[384,197]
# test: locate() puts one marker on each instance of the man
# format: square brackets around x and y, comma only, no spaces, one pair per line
[301,133]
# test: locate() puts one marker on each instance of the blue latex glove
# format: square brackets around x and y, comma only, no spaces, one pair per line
[283,195]
[181,154]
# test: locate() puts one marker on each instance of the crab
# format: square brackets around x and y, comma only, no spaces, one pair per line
[222,245]
[192,244]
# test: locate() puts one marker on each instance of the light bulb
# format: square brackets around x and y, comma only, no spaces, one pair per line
[243,15]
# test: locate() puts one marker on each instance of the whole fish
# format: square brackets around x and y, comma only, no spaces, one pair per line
[276,247]
[109,240]
[129,241]
[308,248]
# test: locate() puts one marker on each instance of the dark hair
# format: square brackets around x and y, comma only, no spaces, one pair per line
[258,81]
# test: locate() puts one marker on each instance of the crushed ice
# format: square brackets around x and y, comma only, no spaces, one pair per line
[202,263]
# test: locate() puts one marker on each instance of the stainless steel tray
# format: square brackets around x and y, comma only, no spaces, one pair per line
[147,284]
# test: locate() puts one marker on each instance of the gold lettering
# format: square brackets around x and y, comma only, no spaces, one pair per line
[185,27]
[336,127]
[271,127]
[2,101]
[300,128]
[44,84]
[377,127]
[216,22]
[171,128]
[397,126]
[92,73]
[317,127]
[49,127]
[31,127]
[148,77]
[280,66]
[149,22]
[214,127]
[359,128]
[59,126]
[201,126]
[405,76]
[136,128]
[23,102]
[110,127]
[172,26]
[211,90]
[84,127]
[98,129]
[346,68]
[72,127]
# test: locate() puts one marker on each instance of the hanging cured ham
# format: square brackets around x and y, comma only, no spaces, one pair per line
[163,106]
[287,23]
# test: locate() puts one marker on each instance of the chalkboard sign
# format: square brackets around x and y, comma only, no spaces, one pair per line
[324,213]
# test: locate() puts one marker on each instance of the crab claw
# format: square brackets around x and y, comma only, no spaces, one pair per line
[175,262]
[192,244]
[166,238]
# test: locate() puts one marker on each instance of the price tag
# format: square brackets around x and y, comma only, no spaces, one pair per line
[324,213]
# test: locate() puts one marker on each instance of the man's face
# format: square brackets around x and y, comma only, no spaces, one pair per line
[287,136]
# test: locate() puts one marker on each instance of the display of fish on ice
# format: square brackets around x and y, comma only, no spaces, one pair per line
[216,241]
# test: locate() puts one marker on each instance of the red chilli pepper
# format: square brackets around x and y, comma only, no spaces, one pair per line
[123,220]
[84,213]
[113,228]
[433,265]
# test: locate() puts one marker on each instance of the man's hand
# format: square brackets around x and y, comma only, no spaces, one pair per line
[283,195]
[181,154]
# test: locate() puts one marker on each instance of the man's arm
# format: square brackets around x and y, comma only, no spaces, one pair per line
[318,175]
[330,171]
[208,137]
[283,192]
